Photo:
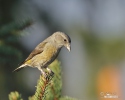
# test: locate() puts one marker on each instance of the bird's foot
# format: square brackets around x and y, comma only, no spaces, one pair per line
[44,75]
[52,73]
[48,74]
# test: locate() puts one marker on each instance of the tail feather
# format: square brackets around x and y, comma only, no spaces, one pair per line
[21,67]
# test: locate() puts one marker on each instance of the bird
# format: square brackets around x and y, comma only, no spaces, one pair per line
[46,52]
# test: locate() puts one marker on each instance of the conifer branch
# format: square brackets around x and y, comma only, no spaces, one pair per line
[15,96]
[42,85]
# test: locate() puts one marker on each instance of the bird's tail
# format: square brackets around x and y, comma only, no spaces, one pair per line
[21,67]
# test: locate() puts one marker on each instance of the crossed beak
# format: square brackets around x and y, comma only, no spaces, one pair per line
[68,47]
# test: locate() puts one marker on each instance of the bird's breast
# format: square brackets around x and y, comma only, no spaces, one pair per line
[49,54]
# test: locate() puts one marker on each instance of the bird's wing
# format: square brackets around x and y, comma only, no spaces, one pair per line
[39,49]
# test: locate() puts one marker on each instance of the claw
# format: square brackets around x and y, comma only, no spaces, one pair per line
[44,74]
[48,74]
[52,73]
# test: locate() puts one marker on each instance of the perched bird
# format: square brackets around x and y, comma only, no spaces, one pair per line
[46,52]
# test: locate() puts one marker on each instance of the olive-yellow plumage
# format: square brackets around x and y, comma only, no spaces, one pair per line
[46,52]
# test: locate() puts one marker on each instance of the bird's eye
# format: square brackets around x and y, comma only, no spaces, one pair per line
[65,40]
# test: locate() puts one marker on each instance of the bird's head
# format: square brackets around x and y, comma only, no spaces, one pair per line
[62,39]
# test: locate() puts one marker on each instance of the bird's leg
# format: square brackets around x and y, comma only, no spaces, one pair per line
[42,72]
[50,71]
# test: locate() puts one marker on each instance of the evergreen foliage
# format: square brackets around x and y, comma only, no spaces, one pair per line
[15,96]
[11,53]
[9,45]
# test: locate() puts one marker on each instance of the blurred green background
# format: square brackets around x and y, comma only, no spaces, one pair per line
[92,70]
